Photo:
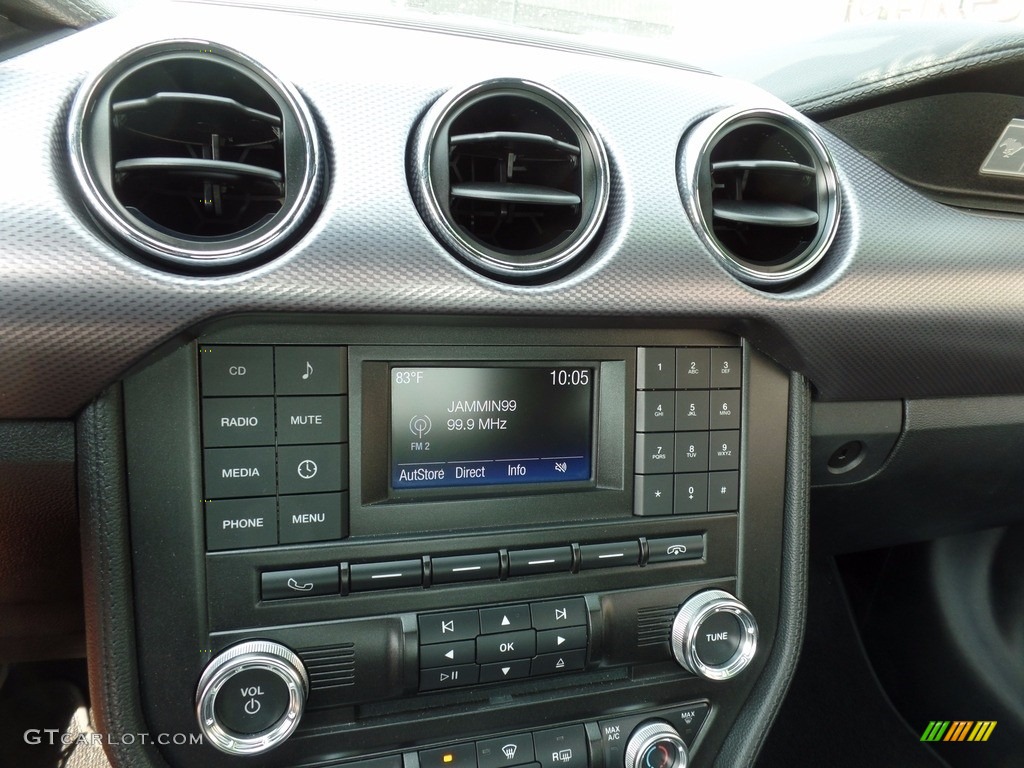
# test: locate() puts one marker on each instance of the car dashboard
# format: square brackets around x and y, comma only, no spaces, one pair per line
[459,399]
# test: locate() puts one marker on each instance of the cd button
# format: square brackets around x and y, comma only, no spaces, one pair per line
[527,562]
[609,555]
[507,618]
[229,371]
[448,627]
[401,573]
[510,645]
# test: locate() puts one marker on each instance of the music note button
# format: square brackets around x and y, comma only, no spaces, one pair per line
[310,370]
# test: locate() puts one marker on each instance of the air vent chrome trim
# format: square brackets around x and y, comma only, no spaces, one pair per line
[431,182]
[303,159]
[695,182]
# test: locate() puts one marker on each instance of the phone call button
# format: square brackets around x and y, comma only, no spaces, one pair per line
[305,582]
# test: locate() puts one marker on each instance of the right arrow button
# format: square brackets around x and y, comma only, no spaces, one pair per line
[567,639]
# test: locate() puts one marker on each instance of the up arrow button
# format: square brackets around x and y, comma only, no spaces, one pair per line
[506,618]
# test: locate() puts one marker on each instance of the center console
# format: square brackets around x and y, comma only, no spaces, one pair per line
[400,545]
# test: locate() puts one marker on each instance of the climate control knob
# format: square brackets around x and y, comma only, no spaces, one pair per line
[714,635]
[250,698]
[655,744]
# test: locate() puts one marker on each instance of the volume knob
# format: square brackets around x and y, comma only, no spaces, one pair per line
[714,635]
[250,698]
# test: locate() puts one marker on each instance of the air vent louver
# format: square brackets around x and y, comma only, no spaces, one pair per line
[195,155]
[510,177]
[763,192]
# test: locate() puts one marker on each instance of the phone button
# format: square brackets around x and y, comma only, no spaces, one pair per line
[305,582]
[674,549]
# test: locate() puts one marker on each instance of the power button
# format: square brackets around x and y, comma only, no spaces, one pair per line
[252,701]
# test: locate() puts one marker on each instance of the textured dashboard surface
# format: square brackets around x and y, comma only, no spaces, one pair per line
[914,300]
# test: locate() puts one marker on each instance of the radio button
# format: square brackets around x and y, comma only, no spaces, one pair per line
[507,618]
[652,495]
[511,645]
[726,371]
[229,371]
[449,570]
[691,494]
[303,420]
[557,640]
[654,454]
[310,370]
[562,747]
[655,411]
[508,750]
[693,368]
[655,368]
[506,670]
[400,573]
[609,555]
[529,562]
[447,654]
[449,677]
[459,756]
[233,421]
[449,627]
[555,614]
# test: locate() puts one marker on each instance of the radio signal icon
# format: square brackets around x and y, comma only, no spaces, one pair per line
[510,751]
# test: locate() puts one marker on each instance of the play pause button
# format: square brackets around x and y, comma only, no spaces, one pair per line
[448,677]
[509,670]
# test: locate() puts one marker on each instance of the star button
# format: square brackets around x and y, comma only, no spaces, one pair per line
[657,494]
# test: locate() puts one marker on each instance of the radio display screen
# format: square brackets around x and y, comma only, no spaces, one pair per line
[453,426]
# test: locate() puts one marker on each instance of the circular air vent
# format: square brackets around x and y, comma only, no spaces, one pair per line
[762,191]
[510,177]
[194,154]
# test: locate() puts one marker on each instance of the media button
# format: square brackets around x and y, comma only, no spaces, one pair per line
[506,751]
[529,562]
[234,472]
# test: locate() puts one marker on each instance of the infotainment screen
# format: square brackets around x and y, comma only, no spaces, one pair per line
[454,427]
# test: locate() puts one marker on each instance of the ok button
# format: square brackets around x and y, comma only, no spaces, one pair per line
[511,645]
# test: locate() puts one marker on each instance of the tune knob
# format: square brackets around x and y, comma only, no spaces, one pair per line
[714,635]
[655,744]
[250,698]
